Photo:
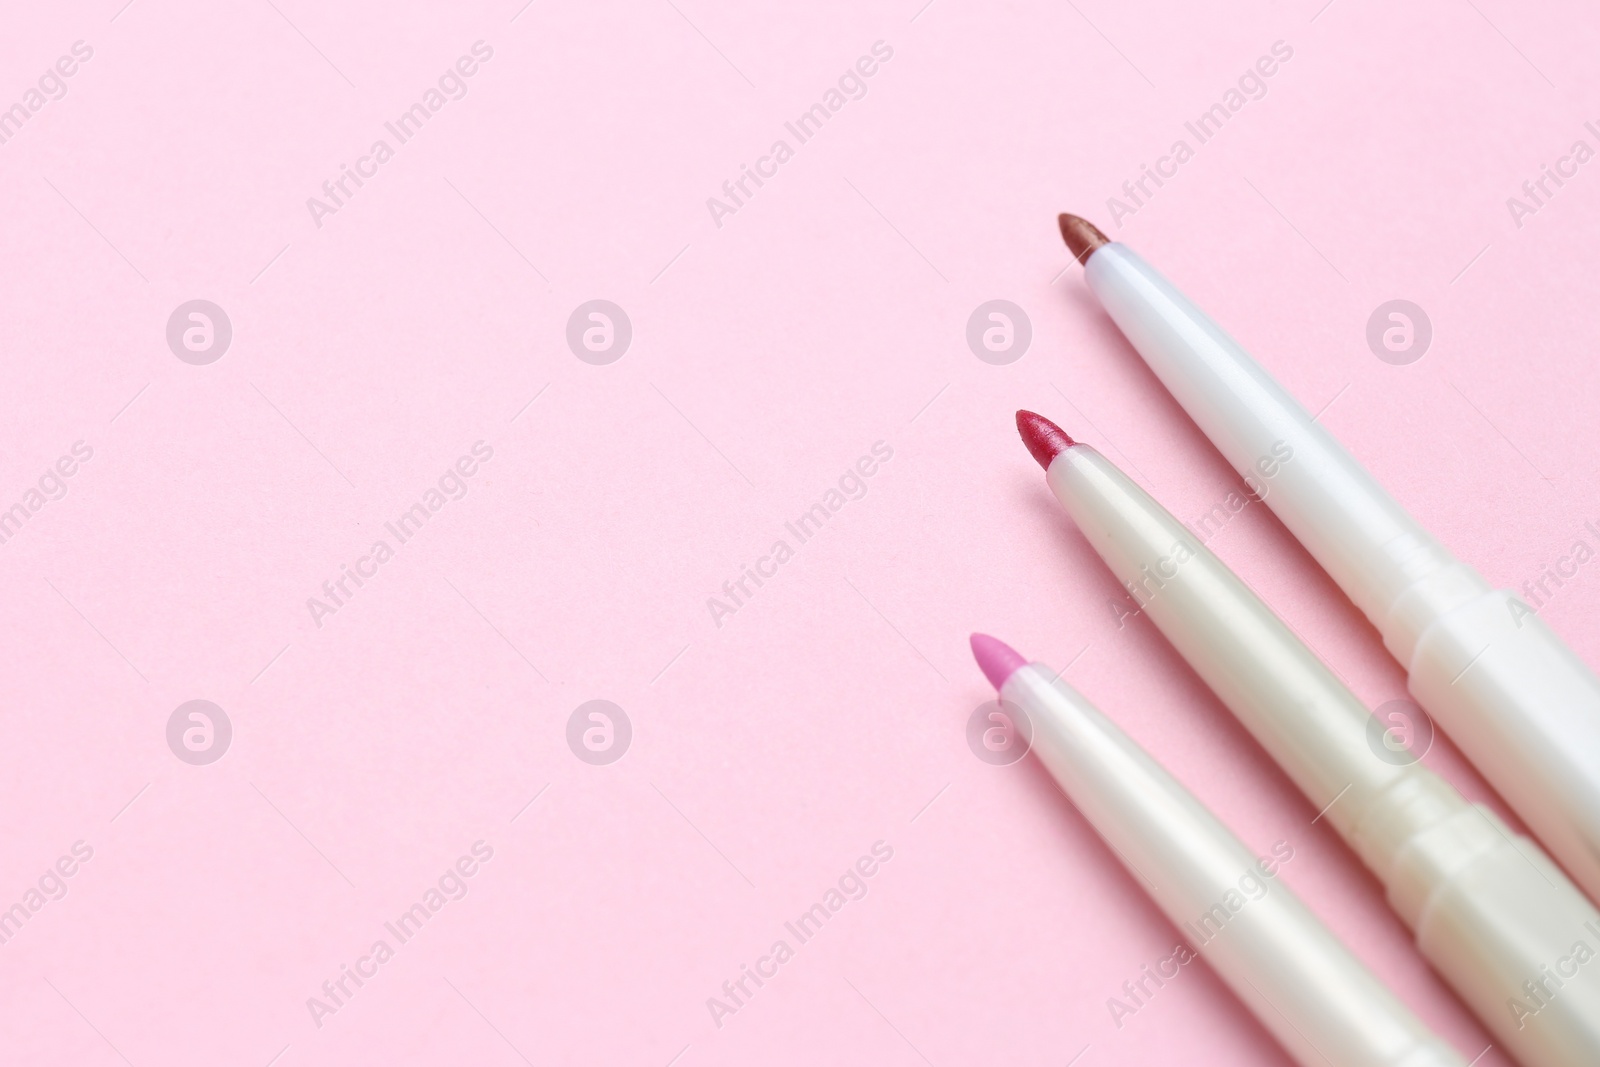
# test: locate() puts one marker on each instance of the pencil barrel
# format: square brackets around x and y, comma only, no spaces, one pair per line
[1320,1002]
[1526,711]
[1488,909]
[1513,937]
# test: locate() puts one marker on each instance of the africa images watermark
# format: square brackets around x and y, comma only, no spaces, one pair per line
[337,992]
[1251,886]
[1204,528]
[51,486]
[452,85]
[1251,85]
[50,86]
[51,886]
[852,485]
[1542,989]
[852,85]
[451,486]
[851,885]
[1539,590]
[1537,192]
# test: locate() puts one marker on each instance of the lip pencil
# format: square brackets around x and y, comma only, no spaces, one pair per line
[1508,691]
[1321,1003]
[1493,915]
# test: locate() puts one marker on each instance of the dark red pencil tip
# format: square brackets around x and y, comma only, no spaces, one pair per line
[1045,440]
[1081,235]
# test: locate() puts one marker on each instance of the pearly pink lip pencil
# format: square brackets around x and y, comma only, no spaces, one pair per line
[1320,1002]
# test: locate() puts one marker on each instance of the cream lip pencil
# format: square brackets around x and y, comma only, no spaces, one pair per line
[1496,918]
[1321,1003]
[1508,691]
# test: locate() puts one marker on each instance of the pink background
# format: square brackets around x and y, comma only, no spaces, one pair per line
[768,354]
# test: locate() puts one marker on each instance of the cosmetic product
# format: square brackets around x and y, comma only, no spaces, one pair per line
[1497,919]
[1512,696]
[1321,1003]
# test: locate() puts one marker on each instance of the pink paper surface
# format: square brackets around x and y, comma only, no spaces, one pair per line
[383,732]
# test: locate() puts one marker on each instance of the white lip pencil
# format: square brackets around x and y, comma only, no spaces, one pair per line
[1321,1003]
[1508,691]
[1496,918]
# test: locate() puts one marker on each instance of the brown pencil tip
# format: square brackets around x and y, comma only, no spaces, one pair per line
[1045,440]
[1081,235]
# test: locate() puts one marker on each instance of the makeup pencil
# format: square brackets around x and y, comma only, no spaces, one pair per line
[1508,691]
[1321,1003]
[1496,918]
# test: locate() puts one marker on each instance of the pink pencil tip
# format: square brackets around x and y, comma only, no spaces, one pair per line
[1045,440]
[996,659]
